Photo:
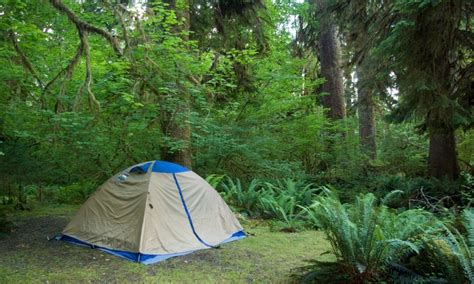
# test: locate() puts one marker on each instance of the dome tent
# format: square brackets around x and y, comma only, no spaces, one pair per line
[151,212]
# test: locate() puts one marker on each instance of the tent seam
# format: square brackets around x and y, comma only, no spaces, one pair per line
[150,171]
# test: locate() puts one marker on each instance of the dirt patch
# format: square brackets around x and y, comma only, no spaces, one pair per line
[32,232]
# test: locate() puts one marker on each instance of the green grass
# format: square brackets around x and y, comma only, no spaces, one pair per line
[27,257]
[48,210]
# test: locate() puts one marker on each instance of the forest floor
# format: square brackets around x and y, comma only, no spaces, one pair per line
[265,256]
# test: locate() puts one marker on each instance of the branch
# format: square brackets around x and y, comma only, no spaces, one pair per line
[67,72]
[120,16]
[84,26]
[93,103]
[24,59]
[120,11]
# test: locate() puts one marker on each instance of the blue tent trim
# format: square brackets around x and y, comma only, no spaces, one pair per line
[187,212]
[139,257]
[141,169]
[167,167]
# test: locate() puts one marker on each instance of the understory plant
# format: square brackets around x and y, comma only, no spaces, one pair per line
[450,251]
[245,199]
[285,212]
[214,180]
[368,239]
[283,201]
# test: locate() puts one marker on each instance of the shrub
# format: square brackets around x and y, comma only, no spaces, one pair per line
[75,193]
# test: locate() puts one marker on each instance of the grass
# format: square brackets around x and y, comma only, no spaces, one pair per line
[265,256]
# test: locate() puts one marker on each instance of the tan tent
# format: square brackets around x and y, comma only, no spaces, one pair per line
[151,212]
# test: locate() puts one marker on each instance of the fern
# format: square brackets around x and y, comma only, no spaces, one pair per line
[283,208]
[247,199]
[303,193]
[389,197]
[214,180]
[468,222]
[452,252]
[366,239]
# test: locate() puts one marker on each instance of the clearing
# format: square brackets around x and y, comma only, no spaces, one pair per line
[265,256]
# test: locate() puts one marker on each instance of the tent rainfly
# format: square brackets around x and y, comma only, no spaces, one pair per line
[151,212]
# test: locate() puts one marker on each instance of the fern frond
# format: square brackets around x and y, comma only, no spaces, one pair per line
[389,196]
[468,222]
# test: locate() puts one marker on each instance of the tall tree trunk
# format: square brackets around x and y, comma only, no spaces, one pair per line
[175,124]
[442,160]
[330,60]
[439,65]
[366,112]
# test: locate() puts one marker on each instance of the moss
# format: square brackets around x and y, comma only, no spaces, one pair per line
[264,256]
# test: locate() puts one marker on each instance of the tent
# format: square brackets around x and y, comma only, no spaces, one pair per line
[151,212]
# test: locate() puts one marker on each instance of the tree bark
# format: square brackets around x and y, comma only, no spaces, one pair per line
[366,112]
[174,123]
[438,61]
[442,160]
[177,130]
[330,60]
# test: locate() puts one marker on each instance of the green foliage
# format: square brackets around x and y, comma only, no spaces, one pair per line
[303,193]
[215,180]
[467,189]
[465,150]
[24,197]
[273,130]
[283,200]
[251,98]
[450,252]
[244,198]
[401,150]
[372,242]
[280,201]
[285,212]
[367,239]
[75,193]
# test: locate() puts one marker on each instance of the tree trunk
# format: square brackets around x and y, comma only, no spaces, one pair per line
[178,130]
[366,113]
[442,160]
[329,58]
[435,63]
[175,124]
[241,69]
